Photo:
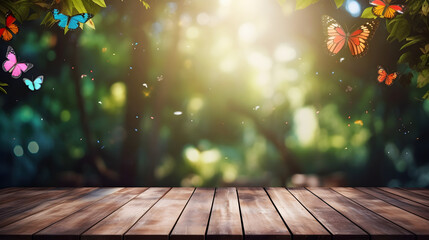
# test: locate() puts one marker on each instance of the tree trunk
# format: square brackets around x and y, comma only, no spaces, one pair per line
[135,100]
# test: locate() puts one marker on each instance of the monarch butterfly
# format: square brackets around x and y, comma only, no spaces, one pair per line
[10,28]
[383,8]
[357,41]
[387,78]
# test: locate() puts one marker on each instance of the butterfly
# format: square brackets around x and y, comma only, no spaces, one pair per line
[10,28]
[72,22]
[357,41]
[383,8]
[34,85]
[387,78]
[13,66]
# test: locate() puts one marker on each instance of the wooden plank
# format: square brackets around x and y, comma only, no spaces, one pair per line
[225,220]
[404,203]
[115,225]
[377,226]
[421,191]
[9,190]
[29,209]
[407,194]
[158,222]
[300,222]
[260,218]
[71,227]
[340,227]
[22,195]
[407,220]
[25,228]
[193,222]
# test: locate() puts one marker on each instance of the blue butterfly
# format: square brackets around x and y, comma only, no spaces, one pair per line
[34,85]
[73,21]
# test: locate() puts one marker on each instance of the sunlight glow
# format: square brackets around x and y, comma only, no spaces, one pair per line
[260,61]
[305,125]
[210,156]
[247,33]
[18,151]
[284,53]
[192,154]
[195,104]
[119,92]
[353,7]
[33,147]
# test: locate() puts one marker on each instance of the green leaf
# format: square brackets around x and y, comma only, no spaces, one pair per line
[100,3]
[338,3]
[145,4]
[426,96]
[423,78]
[404,58]
[412,41]
[3,84]
[425,8]
[400,30]
[367,13]
[301,4]
[78,4]
[2,89]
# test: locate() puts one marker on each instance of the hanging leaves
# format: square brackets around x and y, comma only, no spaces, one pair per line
[301,4]
[339,3]
[1,87]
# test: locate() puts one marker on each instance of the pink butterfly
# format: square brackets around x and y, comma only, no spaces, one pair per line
[13,66]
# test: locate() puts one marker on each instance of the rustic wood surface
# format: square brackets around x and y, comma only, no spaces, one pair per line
[214,214]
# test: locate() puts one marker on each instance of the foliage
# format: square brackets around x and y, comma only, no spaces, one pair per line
[1,87]
[301,4]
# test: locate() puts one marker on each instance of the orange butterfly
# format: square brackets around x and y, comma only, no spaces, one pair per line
[387,78]
[383,8]
[10,28]
[357,41]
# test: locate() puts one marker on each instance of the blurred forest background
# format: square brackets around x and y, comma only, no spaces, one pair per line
[209,93]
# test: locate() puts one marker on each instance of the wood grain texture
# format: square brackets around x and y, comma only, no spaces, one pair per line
[25,228]
[420,191]
[377,226]
[71,227]
[407,220]
[407,194]
[115,225]
[41,204]
[192,224]
[404,203]
[260,218]
[158,222]
[225,220]
[300,222]
[340,227]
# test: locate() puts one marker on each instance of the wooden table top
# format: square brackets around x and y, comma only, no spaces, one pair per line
[208,213]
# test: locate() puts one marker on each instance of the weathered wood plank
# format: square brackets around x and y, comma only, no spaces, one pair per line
[407,194]
[420,191]
[192,224]
[29,209]
[377,226]
[158,222]
[340,227]
[115,225]
[407,220]
[71,227]
[300,222]
[225,220]
[23,195]
[260,218]
[404,203]
[25,228]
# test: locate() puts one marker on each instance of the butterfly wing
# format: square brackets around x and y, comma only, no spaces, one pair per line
[6,33]
[11,59]
[38,82]
[358,41]
[382,74]
[79,18]
[393,10]
[61,18]
[334,33]
[390,78]
[29,83]
[20,68]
